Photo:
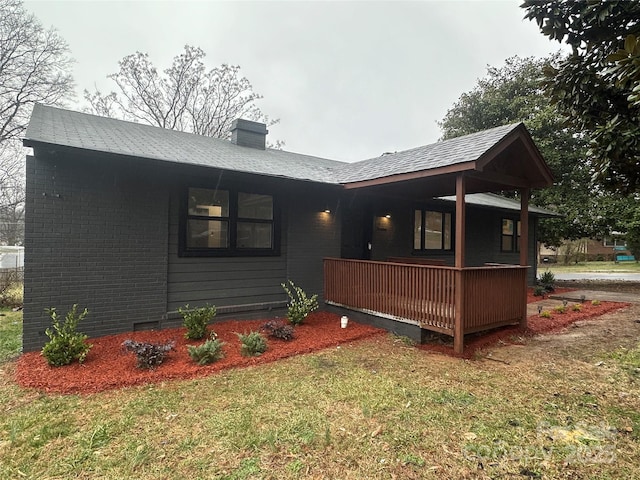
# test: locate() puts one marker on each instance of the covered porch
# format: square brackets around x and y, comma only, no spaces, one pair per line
[450,300]
[452,297]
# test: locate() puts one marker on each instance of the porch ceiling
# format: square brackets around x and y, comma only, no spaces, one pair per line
[512,163]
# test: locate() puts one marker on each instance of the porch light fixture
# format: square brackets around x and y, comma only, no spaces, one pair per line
[387,216]
[326,210]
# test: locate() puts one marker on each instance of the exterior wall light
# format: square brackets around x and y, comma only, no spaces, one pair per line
[387,216]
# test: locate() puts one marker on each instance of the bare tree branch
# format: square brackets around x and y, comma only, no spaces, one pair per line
[187,97]
[34,65]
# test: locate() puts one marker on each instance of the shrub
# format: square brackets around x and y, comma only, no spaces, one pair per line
[576,307]
[547,281]
[539,291]
[11,289]
[148,355]
[545,314]
[278,329]
[66,344]
[209,352]
[560,309]
[299,304]
[195,320]
[595,303]
[253,344]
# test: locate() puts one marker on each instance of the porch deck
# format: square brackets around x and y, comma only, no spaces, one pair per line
[450,300]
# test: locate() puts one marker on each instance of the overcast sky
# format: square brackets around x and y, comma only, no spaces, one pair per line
[348,80]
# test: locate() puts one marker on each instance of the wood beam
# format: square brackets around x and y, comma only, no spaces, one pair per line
[524,226]
[458,331]
[460,220]
[524,247]
[403,177]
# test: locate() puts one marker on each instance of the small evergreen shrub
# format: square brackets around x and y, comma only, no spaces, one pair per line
[66,344]
[576,307]
[545,314]
[195,320]
[278,329]
[560,309]
[539,291]
[148,355]
[547,280]
[300,306]
[595,303]
[209,352]
[253,344]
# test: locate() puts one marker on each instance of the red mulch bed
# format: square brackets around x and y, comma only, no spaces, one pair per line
[108,367]
[510,335]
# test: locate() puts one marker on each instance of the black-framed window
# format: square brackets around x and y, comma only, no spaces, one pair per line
[510,236]
[229,222]
[432,230]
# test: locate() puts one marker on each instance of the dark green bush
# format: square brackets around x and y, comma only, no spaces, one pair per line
[209,352]
[66,344]
[253,344]
[299,304]
[539,291]
[148,355]
[195,320]
[278,329]
[547,281]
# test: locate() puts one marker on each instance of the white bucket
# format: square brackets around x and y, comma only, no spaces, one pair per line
[343,321]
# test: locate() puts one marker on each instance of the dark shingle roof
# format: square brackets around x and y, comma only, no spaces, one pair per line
[56,126]
[492,200]
[67,128]
[441,154]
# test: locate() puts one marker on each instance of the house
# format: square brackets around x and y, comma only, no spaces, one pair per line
[609,248]
[133,221]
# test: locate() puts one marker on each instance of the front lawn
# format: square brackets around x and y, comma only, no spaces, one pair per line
[10,334]
[375,408]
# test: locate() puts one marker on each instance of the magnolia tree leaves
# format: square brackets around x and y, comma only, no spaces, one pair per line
[597,87]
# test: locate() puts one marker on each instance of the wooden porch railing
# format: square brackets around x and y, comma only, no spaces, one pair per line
[490,296]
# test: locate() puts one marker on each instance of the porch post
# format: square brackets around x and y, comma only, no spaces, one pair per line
[458,332]
[524,247]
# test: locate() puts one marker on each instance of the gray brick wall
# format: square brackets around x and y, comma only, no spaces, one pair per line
[96,235]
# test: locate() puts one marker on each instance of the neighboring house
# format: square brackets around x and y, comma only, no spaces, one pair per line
[133,221]
[586,250]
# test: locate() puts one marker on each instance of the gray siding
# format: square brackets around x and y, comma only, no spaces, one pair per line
[394,237]
[221,281]
[312,236]
[95,235]
[307,235]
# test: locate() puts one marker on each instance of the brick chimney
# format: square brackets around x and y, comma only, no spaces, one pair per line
[249,134]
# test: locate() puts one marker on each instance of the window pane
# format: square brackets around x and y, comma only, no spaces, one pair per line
[417,229]
[433,238]
[507,243]
[209,203]
[447,231]
[251,205]
[518,228]
[254,235]
[207,234]
[507,226]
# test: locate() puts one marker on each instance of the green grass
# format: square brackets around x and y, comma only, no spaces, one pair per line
[10,334]
[591,267]
[372,409]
